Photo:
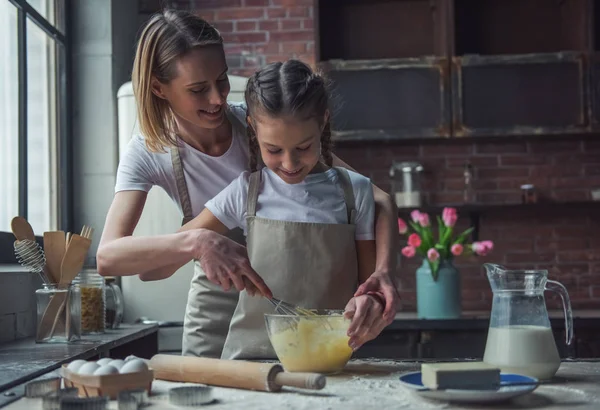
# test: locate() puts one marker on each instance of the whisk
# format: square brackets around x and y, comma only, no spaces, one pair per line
[285,308]
[31,256]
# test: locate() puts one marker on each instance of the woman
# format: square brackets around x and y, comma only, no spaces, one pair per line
[193,146]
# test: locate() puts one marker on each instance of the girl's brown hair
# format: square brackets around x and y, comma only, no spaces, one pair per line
[289,88]
[165,38]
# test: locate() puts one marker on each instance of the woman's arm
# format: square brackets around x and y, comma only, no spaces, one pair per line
[382,279]
[365,311]
[121,254]
[366,253]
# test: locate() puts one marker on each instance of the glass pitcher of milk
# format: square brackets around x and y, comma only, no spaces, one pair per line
[520,338]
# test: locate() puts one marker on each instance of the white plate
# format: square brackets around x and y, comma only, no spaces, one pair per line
[509,388]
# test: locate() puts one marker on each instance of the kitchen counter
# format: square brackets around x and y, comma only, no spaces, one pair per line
[481,319]
[24,360]
[409,337]
[373,384]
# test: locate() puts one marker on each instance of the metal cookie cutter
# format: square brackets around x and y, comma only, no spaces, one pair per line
[191,395]
[132,399]
[40,388]
[83,403]
[51,401]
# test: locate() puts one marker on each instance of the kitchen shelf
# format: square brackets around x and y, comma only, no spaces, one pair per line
[476,210]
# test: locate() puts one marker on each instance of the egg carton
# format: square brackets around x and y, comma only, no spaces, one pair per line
[107,385]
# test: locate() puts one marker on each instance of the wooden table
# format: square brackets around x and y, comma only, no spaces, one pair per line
[373,384]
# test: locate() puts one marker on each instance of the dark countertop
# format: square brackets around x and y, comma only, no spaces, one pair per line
[24,360]
[481,319]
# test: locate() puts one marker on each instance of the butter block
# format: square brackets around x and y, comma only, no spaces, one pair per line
[460,375]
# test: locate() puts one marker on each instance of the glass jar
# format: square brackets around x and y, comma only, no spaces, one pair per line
[58,313]
[406,184]
[93,301]
[114,304]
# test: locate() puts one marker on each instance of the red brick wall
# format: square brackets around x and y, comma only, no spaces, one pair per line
[256,32]
[564,169]
[564,241]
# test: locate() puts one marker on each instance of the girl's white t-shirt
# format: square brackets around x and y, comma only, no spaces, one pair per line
[205,175]
[319,198]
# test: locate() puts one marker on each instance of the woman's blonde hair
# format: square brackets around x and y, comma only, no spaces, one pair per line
[165,38]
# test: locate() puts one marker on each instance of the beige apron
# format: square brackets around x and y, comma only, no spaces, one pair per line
[209,308]
[312,265]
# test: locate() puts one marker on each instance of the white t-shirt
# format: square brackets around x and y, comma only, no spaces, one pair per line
[319,198]
[206,176]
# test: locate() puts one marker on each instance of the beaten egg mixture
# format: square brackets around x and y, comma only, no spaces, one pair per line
[314,345]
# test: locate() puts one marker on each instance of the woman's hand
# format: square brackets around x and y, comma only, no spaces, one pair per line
[226,264]
[382,285]
[367,320]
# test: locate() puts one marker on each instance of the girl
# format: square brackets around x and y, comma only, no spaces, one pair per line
[308,226]
[193,144]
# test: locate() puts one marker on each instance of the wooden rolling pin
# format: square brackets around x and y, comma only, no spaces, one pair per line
[231,373]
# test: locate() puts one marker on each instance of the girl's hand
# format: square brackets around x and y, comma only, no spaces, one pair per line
[367,319]
[226,263]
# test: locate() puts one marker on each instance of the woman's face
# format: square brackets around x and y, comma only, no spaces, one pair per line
[289,147]
[199,91]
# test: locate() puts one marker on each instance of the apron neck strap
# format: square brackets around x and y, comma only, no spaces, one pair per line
[346,184]
[182,190]
[253,186]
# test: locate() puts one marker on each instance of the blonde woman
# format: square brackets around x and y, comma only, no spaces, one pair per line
[193,144]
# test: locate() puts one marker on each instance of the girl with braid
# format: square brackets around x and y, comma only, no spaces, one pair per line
[309,226]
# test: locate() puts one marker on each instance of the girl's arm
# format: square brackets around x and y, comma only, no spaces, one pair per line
[158,257]
[382,278]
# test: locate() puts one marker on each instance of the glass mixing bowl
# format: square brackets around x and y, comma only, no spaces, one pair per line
[314,343]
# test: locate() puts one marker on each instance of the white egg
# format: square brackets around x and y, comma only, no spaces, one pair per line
[118,363]
[134,366]
[104,361]
[75,365]
[105,370]
[131,357]
[88,368]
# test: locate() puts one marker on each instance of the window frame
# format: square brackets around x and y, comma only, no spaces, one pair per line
[64,145]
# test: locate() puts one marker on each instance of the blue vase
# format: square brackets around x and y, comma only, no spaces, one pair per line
[438,299]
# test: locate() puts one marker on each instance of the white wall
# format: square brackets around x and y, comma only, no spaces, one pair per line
[103,50]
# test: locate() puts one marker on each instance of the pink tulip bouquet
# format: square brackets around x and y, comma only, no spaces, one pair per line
[421,240]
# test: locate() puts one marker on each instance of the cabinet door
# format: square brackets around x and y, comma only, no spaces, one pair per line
[525,94]
[390,99]
[595,91]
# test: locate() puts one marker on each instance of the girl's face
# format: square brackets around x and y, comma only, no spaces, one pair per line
[289,147]
[199,91]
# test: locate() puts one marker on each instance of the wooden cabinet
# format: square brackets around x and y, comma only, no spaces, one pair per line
[456,68]
[390,67]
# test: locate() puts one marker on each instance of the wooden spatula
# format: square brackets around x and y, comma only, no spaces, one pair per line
[21,228]
[54,248]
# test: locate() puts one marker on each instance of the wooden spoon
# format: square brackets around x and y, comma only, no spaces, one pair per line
[54,248]
[21,228]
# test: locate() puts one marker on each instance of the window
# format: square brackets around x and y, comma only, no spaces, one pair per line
[34,133]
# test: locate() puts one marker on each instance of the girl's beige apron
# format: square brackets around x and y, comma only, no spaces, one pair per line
[209,308]
[312,265]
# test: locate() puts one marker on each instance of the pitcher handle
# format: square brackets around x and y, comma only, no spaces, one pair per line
[564,295]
